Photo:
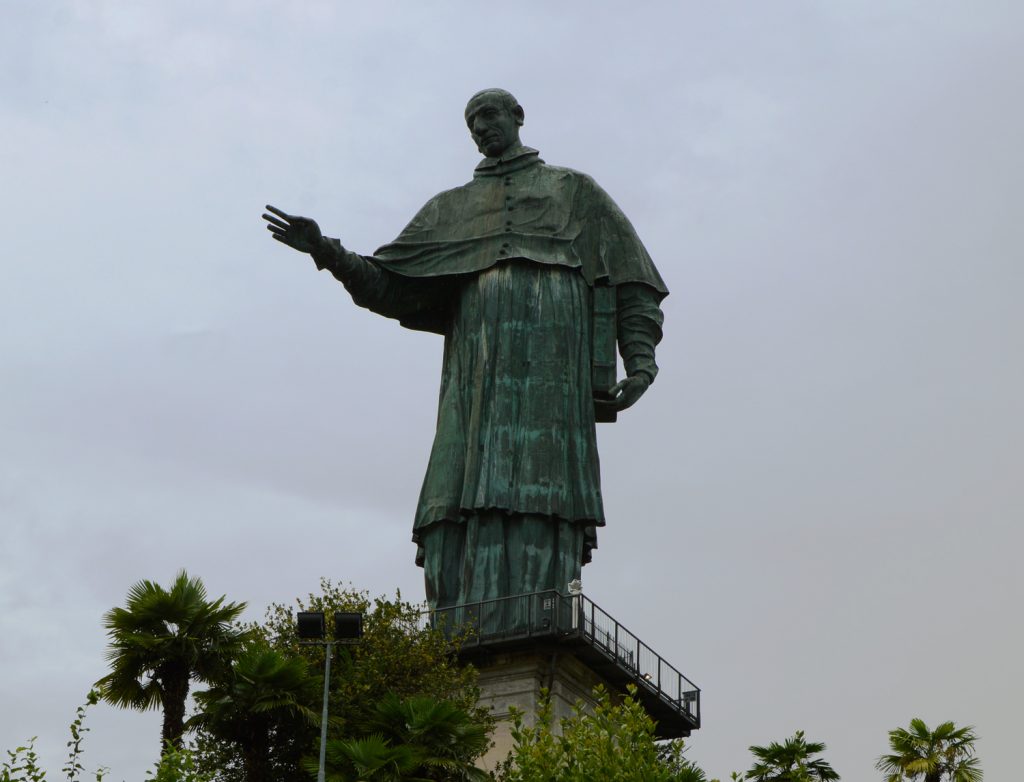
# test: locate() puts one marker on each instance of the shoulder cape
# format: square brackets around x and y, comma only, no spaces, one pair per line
[524,209]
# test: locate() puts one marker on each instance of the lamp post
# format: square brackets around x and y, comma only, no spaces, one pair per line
[311,627]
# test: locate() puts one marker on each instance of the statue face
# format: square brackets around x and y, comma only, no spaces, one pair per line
[493,126]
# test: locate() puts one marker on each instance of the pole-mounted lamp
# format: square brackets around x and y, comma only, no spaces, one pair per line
[311,627]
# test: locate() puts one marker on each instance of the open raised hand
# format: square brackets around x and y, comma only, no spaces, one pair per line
[300,233]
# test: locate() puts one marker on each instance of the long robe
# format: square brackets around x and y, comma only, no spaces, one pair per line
[505,267]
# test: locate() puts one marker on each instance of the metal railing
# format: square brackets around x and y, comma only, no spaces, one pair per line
[551,614]
[650,669]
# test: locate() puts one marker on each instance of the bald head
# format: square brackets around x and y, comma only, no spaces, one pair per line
[494,117]
[506,98]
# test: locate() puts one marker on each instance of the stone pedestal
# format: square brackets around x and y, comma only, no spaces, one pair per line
[516,678]
[565,644]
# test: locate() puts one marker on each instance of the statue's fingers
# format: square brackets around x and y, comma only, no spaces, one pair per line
[278,212]
[625,401]
[276,231]
[617,388]
[281,239]
[275,221]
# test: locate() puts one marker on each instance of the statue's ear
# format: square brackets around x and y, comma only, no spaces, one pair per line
[519,114]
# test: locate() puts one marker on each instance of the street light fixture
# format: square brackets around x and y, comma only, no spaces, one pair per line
[348,627]
[311,627]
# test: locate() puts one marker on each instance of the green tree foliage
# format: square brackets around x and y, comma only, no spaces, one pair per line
[178,765]
[264,693]
[682,770]
[411,740]
[616,741]
[160,641]
[791,761]
[947,753]
[397,657]
[73,768]
[22,764]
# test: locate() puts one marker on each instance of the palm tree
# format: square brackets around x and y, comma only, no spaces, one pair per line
[947,753]
[160,641]
[676,766]
[790,761]
[419,738]
[264,690]
[690,773]
[370,759]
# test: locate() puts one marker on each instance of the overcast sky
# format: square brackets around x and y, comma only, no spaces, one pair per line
[815,513]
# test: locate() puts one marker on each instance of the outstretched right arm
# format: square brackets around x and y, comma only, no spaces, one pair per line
[370,286]
[303,234]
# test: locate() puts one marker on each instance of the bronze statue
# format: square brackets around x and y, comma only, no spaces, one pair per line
[532,274]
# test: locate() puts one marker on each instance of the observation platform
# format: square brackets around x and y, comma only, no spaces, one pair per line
[494,634]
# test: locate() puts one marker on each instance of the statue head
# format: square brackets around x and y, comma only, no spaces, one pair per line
[494,117]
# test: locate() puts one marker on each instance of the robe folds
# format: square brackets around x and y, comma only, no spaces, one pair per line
[505,268]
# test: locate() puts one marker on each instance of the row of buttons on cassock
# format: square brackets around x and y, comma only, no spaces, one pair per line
[508,223]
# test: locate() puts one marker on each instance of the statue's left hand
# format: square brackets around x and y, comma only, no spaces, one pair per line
[625,393]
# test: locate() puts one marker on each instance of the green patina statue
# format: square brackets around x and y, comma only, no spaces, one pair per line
[533,275]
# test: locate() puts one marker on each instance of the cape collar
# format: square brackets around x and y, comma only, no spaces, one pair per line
[513,160]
